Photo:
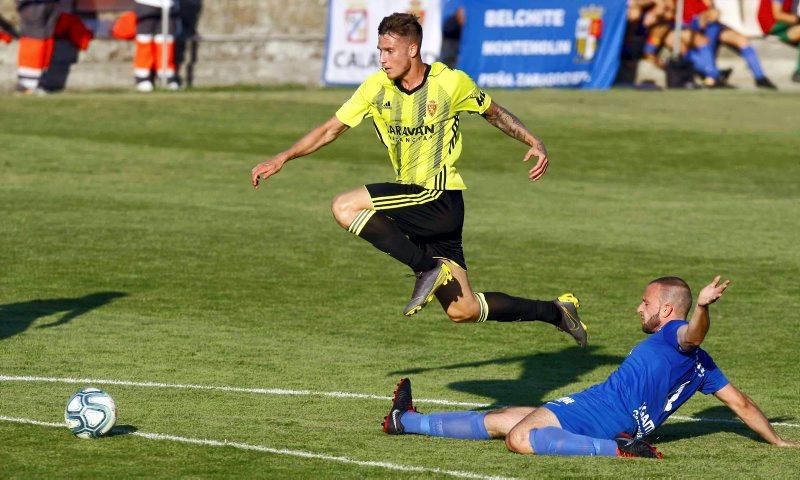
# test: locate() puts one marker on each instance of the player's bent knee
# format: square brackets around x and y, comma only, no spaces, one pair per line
[346,206]
[342,210]
[518,441]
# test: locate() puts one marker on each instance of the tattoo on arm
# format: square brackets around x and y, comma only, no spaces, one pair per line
[512,126]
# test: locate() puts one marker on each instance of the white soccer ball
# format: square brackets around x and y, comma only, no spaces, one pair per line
[90,413]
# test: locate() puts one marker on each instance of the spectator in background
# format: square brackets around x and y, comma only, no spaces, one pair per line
[186,40]
[453,17]
[40,23]
[643,18]
[780,18]
[701,16]
[148,59]
[7,31]
[659,19]
[656,17]
[37,23]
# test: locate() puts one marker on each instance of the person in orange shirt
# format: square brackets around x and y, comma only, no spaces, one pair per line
[149,56]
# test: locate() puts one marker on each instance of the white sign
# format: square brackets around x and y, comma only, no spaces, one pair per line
[740,15]
[351,51]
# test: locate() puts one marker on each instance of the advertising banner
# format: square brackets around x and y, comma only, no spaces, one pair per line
[542,43]
[351,52]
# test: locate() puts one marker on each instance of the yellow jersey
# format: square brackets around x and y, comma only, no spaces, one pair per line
[420,128]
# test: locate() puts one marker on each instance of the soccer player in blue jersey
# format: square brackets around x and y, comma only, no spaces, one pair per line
[610,419]
[418,218]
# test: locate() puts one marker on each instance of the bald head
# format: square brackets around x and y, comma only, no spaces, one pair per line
[674,291]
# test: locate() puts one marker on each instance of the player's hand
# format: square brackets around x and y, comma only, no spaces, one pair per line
[264,170]
[711,292]
[540,152]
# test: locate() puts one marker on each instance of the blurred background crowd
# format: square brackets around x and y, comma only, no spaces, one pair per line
[48,45]
[701,29]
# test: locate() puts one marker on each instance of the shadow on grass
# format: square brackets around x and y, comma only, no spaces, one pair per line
[121,430]
[709,421]
[17,317]
[541,374]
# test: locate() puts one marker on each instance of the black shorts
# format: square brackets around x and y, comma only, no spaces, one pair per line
[38,20]
[432,219]
[148,19]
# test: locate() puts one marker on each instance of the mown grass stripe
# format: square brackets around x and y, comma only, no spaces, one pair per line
[281,391]
[279,451]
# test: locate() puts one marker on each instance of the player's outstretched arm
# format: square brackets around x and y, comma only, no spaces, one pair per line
[784,17]
[745,408]
[310,143]
[509,124]
[693,335]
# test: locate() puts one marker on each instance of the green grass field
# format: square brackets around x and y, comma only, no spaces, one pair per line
[134,249]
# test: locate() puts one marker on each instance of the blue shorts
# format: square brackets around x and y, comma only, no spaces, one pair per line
[586,413]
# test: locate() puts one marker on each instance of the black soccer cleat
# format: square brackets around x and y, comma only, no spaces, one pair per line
[765,83]
[570,321]
[401,403]
[725,74]
[426,285]
[628,447]
[717,83]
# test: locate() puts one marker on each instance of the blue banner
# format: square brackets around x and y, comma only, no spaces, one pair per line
[542,43]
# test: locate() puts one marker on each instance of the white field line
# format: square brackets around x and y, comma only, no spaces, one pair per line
[281,391]
[280,451]
[260,391]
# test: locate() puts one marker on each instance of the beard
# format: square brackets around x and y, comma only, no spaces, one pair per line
[650,325]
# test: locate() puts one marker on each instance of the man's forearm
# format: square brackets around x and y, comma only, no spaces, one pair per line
[312,141]
[509,124]
[698,326]
[785,17]
[754,418]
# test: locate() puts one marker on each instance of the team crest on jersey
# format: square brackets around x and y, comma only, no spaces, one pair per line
[588,30]
[432,107]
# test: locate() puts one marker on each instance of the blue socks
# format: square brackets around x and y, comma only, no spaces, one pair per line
[469,426]
[650,49]
[464,425]
[703,60]
[712,33]
[751,57]
[555,441]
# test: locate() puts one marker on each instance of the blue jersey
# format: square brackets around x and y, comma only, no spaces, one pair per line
[650,385]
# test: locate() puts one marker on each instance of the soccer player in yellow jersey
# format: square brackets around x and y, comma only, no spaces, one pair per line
[415,108]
